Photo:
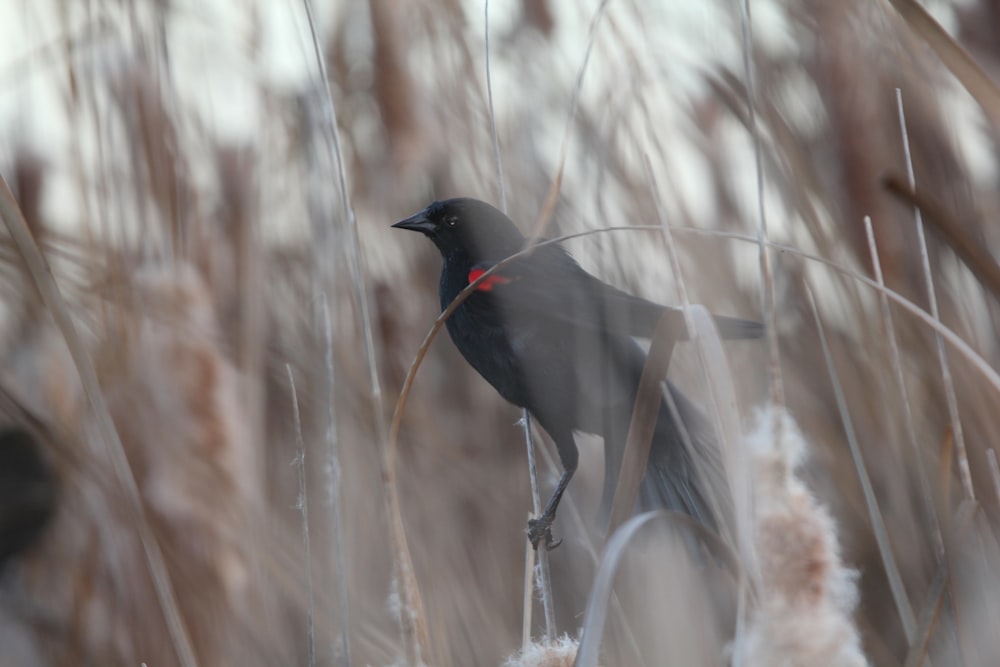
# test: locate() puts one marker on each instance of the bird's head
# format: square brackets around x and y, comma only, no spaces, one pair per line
[467,227]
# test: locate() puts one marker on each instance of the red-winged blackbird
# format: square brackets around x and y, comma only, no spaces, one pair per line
[554,339]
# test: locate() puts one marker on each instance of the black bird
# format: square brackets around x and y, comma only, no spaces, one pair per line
[554,339]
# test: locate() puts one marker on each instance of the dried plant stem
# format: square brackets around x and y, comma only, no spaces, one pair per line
[910,424]
[643,421]
[333,483]
[114,451]
[552,196]
[929,616]
[543,580]
[493,119]
[975,255]
[251,325]
[949,386]
[958,61]
[896,586]
[413,619]
[303,505]
[934,599]
[320,213]
[766,270]
[528,599]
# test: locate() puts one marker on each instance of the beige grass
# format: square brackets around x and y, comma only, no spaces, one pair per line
[171,164]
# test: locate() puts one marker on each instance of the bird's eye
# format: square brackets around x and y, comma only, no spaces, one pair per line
[451,221]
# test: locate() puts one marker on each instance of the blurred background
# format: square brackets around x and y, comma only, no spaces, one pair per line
[182,166]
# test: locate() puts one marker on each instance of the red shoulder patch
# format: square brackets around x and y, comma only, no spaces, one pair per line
[487,285]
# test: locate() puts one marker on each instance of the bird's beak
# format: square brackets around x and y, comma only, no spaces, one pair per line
[416,223]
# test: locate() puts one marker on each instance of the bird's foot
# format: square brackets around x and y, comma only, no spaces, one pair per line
[540,532]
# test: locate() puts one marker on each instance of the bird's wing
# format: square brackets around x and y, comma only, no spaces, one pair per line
[550,284]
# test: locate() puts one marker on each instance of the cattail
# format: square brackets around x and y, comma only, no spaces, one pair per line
[173,396]
[558,653]
[806,594]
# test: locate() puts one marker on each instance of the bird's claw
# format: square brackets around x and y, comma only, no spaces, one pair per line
[540,532]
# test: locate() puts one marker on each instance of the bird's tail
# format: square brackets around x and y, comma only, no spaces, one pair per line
[685,468]
[684,472]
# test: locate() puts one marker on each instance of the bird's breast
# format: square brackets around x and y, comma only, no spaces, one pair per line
[483,340]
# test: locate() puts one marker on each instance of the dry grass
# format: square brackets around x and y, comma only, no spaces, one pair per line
[177,166]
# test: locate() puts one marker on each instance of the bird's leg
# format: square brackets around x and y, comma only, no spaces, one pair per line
[540,528]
